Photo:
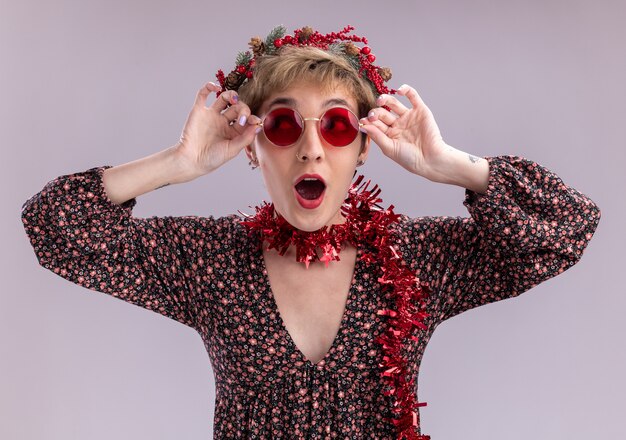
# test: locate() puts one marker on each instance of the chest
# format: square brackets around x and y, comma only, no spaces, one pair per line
[311,302]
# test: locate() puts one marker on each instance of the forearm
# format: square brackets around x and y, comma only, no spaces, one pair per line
[132,179]
[456,167]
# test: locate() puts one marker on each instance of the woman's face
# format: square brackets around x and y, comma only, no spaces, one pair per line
[283,167]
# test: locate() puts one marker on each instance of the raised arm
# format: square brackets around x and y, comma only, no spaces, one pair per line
[527,227]
[81,225]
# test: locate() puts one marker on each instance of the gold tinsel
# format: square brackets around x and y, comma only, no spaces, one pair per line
[385,73]
[257,45]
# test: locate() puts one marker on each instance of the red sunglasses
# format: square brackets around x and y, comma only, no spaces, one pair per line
[283,126]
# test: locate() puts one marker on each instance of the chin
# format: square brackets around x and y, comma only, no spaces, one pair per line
[308,220]
[309,223]
[311,220]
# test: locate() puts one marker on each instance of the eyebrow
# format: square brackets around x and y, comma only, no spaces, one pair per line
[292,102]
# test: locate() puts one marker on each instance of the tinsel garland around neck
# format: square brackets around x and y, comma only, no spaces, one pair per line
[367,223]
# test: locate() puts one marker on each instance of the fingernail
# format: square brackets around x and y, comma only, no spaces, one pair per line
[362,129]
[381,99]
[371,114]
[242,120]
[235,98]
[258,130]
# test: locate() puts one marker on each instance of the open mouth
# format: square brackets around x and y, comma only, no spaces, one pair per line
[309,191]
[310,188]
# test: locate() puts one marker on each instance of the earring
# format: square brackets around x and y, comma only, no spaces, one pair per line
[359,163]
[255,162]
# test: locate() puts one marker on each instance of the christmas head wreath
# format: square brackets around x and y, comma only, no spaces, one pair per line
[340,43]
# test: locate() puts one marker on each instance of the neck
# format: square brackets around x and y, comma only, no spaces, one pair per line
[321,245]
[338,219]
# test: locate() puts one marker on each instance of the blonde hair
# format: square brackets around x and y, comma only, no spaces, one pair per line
[307,64]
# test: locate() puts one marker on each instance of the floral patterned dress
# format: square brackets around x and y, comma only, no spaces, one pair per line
[206,273]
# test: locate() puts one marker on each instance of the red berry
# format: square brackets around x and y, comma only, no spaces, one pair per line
[278,42]
[371,58]
[366,50]
[241,68]
[249,74]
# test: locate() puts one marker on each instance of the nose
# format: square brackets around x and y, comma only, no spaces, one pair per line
[310,147]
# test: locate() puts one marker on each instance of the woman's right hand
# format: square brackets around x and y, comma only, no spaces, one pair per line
[209,139]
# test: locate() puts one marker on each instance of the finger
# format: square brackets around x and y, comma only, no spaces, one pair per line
[240,114]
[378,123]
[414,97]
[204,93]
[393,103]
[381,126]
[380,114]
[245,137]
[227,98]
[236,115]
[379,137]
[254,120]
[236,129]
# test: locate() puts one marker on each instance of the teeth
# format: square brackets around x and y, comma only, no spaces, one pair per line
[312,179]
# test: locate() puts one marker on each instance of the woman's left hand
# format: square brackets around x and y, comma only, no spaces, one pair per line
[409,136]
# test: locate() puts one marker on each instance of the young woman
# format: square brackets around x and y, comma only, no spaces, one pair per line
[316,309]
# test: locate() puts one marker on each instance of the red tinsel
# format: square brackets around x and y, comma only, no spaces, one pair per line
[366,223]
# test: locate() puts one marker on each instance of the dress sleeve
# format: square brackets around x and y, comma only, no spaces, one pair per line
[528,227]
[78,233]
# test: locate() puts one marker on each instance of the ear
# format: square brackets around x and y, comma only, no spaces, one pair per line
[250,152]
[365,149]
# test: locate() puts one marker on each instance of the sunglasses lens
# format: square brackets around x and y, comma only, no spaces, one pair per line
[339,126]
[282,127]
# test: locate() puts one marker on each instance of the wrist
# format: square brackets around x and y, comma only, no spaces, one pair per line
[456,167]
[181,168]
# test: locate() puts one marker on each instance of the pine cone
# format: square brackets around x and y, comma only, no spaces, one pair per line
[305,33]
[257,45]
[351,49]
[385,73]
[234,80]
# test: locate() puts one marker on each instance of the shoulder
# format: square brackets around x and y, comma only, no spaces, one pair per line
[429,227]
[431,238]
[226,228]
[231,234]
[213,233]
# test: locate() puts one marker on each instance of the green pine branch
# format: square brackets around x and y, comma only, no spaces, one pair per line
[243,58]
[278,32]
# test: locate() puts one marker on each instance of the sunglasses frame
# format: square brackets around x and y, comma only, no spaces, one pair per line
[319,130]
